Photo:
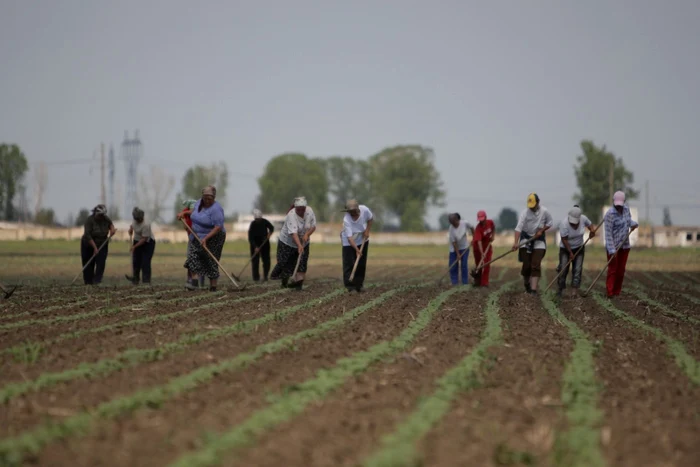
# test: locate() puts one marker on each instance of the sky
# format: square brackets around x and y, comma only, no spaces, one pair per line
[503,91]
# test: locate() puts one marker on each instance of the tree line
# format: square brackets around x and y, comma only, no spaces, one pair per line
[400,183]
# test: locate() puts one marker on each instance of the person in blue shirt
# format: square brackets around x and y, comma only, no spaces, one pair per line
[207,218]
[618,226]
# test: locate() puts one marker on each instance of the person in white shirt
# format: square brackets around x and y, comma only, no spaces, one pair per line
[459,248]
[298,227]
[572,230]
[142,248]
[533,223]
[357,224]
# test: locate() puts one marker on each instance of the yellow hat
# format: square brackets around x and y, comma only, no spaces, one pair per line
[532,200]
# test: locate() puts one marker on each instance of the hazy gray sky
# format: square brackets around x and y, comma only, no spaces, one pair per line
[503,91]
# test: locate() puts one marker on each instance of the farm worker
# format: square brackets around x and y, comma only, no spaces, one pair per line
[97,228]
[259,233]
[299,225]
[142,248]
[459,248]
[572,230]
[533,223]
[186,211]
[484,234]
[208,225]
[618,223]
[357,224]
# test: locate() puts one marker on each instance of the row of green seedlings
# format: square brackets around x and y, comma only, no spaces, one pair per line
[682,358]
[671,283]
[29,352]
[13,450]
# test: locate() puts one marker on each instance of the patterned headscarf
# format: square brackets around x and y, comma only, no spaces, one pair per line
[189,203]
[209,190]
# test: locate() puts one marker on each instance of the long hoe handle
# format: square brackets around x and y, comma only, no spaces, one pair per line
[210,254]
[7,294]
[254,255]
[459,257]
[483,257]
[90,260]
[296,268]
[608,263]
[357,261]
[571,260]
[504,255]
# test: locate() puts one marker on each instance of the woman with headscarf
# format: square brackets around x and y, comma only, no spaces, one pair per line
[208,225]
[354,237]
[298,227]
[98,229]
[142,248]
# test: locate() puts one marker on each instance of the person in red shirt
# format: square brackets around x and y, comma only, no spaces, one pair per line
[483,237]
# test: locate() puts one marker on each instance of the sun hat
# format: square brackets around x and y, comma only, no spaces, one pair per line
[481,215]
[351,205]
[300,202]
[619,198]
[257,213]
[532,200]
[575,215]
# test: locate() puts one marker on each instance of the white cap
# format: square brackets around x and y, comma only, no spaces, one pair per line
[257,213]
[299,202]
[575,215]
[619,198]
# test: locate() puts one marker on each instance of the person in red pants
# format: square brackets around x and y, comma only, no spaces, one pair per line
[618,224]
[483,237]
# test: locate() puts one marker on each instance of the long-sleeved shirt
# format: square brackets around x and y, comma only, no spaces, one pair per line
[97,229]
[259,230]
[531,221]
[616,228]
[484,233]
[205,220]
[355,228]
[294,224]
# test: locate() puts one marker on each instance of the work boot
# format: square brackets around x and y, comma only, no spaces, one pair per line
[528,289]
[560,292]
[285,281]
[296,286]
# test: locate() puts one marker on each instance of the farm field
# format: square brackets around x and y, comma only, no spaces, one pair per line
[411,372]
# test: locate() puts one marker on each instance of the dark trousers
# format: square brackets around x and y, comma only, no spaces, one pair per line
[141,261]
[95,271]
[349,257]
[264,255]
[532,263]
[576,265]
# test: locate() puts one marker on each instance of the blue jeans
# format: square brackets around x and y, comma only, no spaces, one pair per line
[464,263]
[576,267]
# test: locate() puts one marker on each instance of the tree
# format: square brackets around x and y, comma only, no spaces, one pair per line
[45,217]
[405,183]
[667,216]
[347,178]
[199,176]
[507,219]
[290,175]
[444,221]
[155,190]
[593,179]
[82,217]
[13,167]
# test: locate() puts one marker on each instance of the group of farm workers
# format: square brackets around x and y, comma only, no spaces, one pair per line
[204,221]
[531,243]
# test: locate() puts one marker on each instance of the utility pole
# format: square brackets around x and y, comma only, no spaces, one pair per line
[103,193]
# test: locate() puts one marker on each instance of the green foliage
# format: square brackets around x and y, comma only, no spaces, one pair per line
[199,176]
[45,216]
[347,178]
[405,183]
[290,175]
[13,167]
[507,219]
[444,221]
[82,217]
[593,179]
[667,217]
[580,444]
